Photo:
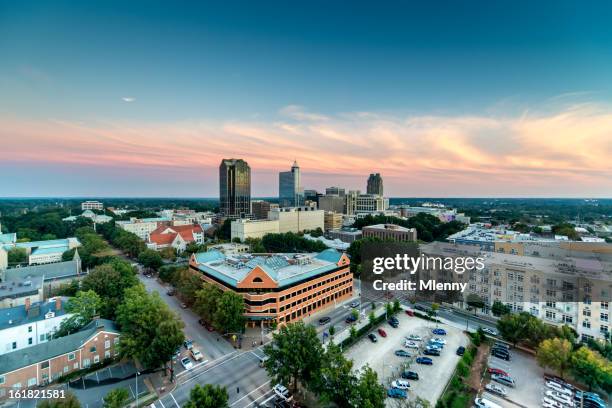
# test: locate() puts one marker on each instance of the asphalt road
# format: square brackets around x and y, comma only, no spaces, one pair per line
[246,382]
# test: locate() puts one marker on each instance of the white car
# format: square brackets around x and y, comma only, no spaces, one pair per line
[489,331]
[282,392]
[550,403]
[196,354]
[438,340]
[186,363]
[559,388]
[400,384]
[562,398]
[414,337]
[496,389]
[411,344]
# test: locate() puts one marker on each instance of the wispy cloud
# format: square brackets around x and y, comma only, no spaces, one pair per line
[562,153]
[128,99]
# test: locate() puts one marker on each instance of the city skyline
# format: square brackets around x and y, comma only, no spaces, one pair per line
[122,100]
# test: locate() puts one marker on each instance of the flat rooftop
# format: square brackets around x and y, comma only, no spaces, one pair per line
[285,269]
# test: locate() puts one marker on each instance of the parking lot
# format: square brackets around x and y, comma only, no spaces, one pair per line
[528,377]
[381,356]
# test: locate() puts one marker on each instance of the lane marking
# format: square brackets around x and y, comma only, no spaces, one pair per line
[262,385]
[177,404]
[262,396]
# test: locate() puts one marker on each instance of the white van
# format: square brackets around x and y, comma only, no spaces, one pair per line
[485,403]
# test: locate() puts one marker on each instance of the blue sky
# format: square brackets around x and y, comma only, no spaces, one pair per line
[246,62]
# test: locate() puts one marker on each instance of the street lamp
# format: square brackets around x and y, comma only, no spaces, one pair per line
[137,374]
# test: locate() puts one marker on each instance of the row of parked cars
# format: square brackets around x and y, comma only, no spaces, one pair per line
[560,394]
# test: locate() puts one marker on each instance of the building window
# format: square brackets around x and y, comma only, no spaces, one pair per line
[96,359]
[30,341]
[567,319]
[2,379]
[116,341]
[92,349]
[42,337]
[44,364]
[107,354]
[66,368]
[604,305]
[75,365]
[71,356]
[86,363]
[14,345]
[586,324]
[551,315]
[603,329]
[32,382]
[107,344]
[29,329]
[586,312]
[603,317]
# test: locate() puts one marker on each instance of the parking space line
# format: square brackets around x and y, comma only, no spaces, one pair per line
[161,403]
[263,396]
[132,391]
[256,389]
[174,399]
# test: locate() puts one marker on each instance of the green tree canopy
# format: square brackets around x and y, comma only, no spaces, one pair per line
[116,398]
[150,258]
[206,300]
[229,316]
[555,353]
[207,396]
[69,401]
[592,369]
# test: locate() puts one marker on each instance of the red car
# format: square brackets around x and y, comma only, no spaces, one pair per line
[382,333]
[409,312]
[498,371]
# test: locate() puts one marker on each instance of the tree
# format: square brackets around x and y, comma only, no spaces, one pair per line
[206,300]
[355,314]
[332,330]
[397,306]
[294,355]
[116,398]
[372,319]
[556,354]
[389,309]
[207,396]
[168,253]
[69,401]
[475,302]
[187,283]
[17,256]
[500,309]
[229,316]
[150,331]
[150,259]
[433,311]
[591,368]
[336,382]
[110,281]
[353,333]
[513,327]
[369,392]
[86,305]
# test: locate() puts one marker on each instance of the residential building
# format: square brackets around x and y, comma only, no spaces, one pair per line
[235,188]
[332,220]
[332,203]
[339,191]
[175,236]
[48,361]
[375,184]
[279,288]
[390,231]
[260,209]
[290,192]
[17,291]
[53,274]
[297,219]
[92,205]
[142,227]
[345,234]
[30,324]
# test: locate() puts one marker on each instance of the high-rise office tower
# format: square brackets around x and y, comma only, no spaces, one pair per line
[375,184]
[339,191]
[290,192]
[235,188]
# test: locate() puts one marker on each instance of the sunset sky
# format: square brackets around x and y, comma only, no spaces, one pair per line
[444,99]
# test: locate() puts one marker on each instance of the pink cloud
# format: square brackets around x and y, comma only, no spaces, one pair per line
[563,153]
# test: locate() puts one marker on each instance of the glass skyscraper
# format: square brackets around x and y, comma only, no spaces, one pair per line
[290,192]
[375,184]
[235,188]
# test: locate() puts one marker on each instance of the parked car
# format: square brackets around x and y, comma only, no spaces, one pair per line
[421,308]
[499,371]
[188,344]
[196,354]
[502,345]
[411,344]
[559,381]
[424,360]
[439,332]
[372,337]
[393,323]
[410,375]
[282,392]
[186,363]
[382,333]
[485,403]
[183,306]
[324,320]
[170,292]
[435,346]
[490,332]
[551,403]
[402,353]
[496,389]
[397,393]
[504,380]
[354,304]
[554,386]
[438,340]
[350,319]
[414,337]
[559,397]
[410,313]
[431,352]
[504,355]
[400,384]
[460,350]
[587,396]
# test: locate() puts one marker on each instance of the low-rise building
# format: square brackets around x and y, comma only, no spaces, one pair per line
[390,231]
[40,252]
[143,227]
[21,290]
[53,274]
[281,220]
[261,208]
[176,236]
[96,218]
[346,234]
[30,324]
[92,205]
[244,228]
[230,248]
[279,288]
[332,220]
[47,362]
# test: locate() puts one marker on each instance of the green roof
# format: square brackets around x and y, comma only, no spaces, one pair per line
[44,351]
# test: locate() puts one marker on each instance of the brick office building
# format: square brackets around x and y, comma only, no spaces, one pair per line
[46,362]
[279,288]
